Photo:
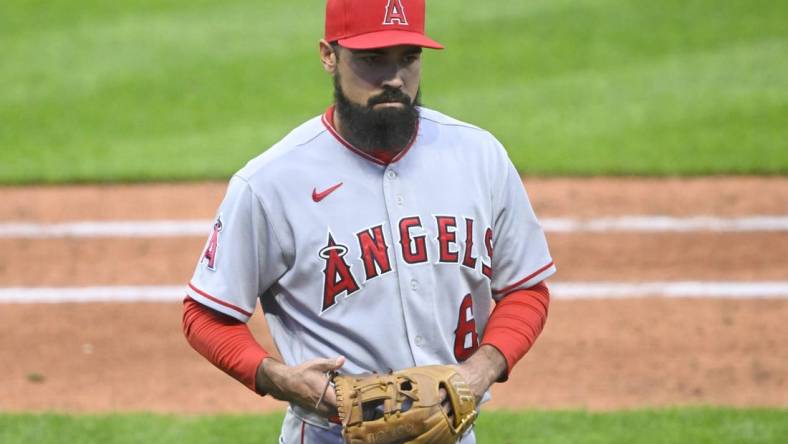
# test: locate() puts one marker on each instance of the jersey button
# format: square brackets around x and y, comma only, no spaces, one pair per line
[400,200]
[391,174]
[414,284]
[418,340]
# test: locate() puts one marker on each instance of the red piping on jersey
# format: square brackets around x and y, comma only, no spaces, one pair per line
[219,301]
[523,280]
[382,158]
[303,426]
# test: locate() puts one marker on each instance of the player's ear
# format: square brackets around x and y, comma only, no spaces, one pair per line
[328,57]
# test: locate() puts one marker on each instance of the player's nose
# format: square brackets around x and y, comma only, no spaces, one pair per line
[394,80]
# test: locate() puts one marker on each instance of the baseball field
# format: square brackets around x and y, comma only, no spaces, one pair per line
[651,137]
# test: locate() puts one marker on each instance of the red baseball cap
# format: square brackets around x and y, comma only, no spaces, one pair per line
[370,24]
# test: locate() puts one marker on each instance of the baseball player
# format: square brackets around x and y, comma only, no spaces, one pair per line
[378,236]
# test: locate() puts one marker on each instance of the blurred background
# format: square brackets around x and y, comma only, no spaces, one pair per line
[155,89]
[651,137]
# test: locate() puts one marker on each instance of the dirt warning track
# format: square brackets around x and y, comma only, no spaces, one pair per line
[600,354]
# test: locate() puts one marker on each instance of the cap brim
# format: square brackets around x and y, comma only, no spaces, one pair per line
[385,39]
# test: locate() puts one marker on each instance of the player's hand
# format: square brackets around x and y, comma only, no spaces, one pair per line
[301,385]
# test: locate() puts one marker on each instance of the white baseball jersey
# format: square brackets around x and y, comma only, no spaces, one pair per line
[390,265]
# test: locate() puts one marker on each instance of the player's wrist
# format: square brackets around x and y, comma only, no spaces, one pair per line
[268,380]
[483,369]
[492,362]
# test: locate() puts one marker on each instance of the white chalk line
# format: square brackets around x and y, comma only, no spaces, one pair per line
[104,229]
[37,295]
[559,290]
[666,223]
[670,289]
[187,228]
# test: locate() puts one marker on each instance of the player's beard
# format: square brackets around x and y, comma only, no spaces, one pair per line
[370,129]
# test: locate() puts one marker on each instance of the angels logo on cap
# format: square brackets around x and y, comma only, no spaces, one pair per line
[372,24]
[395,13]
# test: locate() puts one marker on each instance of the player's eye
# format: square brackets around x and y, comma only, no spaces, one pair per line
[410,58]
[370,59]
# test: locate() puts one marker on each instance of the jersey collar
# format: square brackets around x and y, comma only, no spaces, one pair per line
[380,157]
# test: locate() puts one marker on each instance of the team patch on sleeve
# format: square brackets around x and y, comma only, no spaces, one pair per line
[212,249]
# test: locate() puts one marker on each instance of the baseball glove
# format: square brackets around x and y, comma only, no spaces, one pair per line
[404,406]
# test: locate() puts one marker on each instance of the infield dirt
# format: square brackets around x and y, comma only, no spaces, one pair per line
[600,354]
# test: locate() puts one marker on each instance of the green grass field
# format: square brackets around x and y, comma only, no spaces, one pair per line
[692,426]
[173,90]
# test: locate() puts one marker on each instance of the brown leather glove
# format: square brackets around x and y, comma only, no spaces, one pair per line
[404,406]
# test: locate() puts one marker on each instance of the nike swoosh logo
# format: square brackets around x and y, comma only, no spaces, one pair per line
[317,197]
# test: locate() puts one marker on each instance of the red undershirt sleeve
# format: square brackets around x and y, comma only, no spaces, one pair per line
[224,341]
[516,322]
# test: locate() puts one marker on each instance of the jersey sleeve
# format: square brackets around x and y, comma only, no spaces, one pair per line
[242,257]
[521,258]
